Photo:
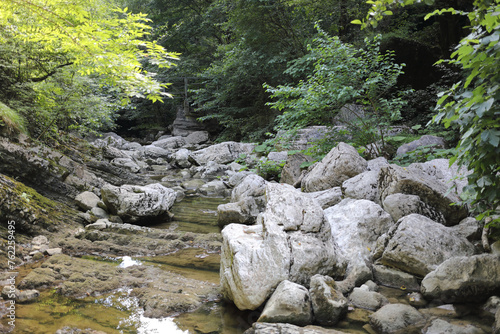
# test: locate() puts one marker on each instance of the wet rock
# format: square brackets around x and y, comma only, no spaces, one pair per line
[292,173]
[329,305]
[365,299]
[339,165]
[362,186]
[327,198]
[23,297]
[214,188]
[441,326]
[394,179]
[133,203]
[87,200]
[394,317]
[269,328]
[193,185]
[356,226]
[400,205]
[222,153]
[395,278]
[464,279]
[416,299]
[290,303]
[418,245]
[242,212]
[425,140]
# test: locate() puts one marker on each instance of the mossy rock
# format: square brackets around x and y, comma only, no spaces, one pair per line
[31,211]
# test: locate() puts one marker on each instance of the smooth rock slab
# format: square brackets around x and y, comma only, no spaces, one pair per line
[394,317]
[290,303]
[464,279]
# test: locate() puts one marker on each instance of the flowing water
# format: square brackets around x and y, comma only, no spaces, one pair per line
[119,312]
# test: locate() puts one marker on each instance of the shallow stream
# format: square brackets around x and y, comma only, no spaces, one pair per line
[119,312]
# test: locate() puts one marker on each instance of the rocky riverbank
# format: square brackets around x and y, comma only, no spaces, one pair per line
[321,254]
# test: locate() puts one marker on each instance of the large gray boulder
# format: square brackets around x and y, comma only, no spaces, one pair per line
[291,240]
[290,303]
[368,300]
[400,205]
[355,226]
[197,137]
[170,143]
[222,153]
[329,305]
[254,260]
[87,200]
[327,198]
[395,317]
[451,176]
[133,203]
[362,186]
[247,201]
[464,279]
[155,152]
[309,235]
[394,179]
[425,140]
[418,245]
[339,165]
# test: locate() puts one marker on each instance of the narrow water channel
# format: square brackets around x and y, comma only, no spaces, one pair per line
[119,312]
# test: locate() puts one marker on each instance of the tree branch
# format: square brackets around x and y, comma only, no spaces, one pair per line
[49,74]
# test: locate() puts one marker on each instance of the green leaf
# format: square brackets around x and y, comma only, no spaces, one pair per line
[356,22]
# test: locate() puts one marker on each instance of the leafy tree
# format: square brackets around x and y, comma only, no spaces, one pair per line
[343,76]
[261,37]
[93,40]
[472,103]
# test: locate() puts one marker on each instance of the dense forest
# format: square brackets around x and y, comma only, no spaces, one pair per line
[253,68]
